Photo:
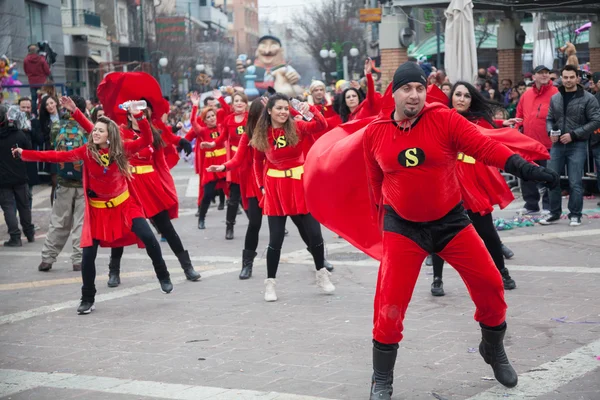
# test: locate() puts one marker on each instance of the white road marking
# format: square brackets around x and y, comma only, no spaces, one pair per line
[549,376]
[117,294]
[15,381]
[193,186]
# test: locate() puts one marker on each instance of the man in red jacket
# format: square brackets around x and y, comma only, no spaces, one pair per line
[411,154]
[533,109]
[37,70]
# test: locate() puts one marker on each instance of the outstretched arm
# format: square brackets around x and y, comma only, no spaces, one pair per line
[240,154]
[77,115]
[145,139]
[54,156]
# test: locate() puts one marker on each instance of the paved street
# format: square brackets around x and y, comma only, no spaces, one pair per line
[218,339]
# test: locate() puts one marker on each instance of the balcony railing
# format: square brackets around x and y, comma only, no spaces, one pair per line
[80,18]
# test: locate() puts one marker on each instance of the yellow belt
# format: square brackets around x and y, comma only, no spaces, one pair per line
[112,202]
[234,148]
[142,169]
[465,158]
[294,173]
[216,153]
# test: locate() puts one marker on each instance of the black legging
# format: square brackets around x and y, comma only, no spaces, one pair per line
[254,214]
[163,224]
[142,230]
[209,194]
[277,234]
[484,225]
[234,203]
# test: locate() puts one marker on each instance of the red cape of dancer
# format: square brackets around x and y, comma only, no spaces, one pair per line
[335,165]
[119,87]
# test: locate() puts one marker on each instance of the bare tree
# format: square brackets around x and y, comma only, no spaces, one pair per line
[485,26]
[333,21]
[563,26]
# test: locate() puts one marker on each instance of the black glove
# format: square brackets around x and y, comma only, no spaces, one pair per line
[186,146]
[527,171]
[175,128]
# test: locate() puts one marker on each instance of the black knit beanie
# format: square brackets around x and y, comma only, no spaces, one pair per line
[407,73]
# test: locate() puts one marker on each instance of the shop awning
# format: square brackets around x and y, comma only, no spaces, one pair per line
[96,59]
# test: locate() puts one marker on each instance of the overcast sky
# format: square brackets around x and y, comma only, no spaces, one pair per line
[282,10]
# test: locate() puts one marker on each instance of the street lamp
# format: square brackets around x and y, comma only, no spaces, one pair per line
[227,69]
[163,62]
[336,51]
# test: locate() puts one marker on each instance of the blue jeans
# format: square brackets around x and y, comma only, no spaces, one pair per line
[596,153]
[573,156]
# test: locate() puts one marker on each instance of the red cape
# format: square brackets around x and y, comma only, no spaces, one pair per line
[336,160]
[119,87]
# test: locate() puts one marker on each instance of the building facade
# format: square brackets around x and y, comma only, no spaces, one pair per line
[243,24]
[25,22]
[86,46]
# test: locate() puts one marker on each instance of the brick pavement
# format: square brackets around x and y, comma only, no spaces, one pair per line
[219,333]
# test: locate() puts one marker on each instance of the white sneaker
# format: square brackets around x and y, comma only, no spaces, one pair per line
[270,294]
[323,281]
[575,221]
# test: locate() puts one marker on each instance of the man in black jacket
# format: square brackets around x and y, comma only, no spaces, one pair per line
[13,178]
[573,116]
[595,138]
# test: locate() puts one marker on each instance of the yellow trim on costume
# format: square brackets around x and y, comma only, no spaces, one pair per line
[465,158]
[294,173]
[112,203]
[142,169]
[216,153]
[234,148]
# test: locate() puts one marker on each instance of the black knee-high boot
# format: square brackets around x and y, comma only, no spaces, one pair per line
[384,359]
[114,270]
[491,349]
[247,264]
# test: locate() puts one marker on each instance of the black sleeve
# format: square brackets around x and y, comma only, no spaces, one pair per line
[36,133]
[24,141]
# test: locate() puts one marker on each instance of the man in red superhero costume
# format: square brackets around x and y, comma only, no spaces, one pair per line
[411,157]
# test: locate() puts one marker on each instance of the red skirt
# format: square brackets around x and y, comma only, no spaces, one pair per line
[283,196]
[206,176]
[112,226]
[152,194]
[482,187]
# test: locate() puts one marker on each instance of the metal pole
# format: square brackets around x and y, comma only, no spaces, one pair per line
[374,25]
[142,28]
[438,33]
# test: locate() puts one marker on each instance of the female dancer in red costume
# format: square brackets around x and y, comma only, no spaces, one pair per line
[233,128]
[113,216]
[251,194]
[209,181]
[152,181]
[278,167]
[482,186]
[353,107]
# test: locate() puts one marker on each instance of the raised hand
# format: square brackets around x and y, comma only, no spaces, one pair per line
[68,103]
[195,99]
[368,66]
